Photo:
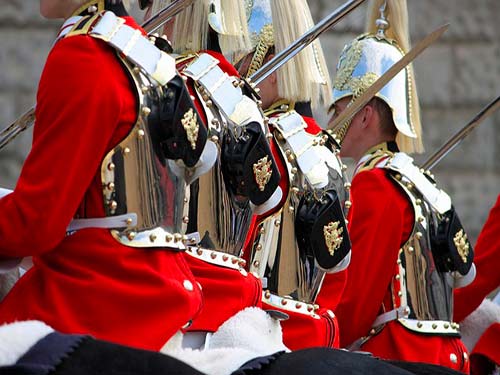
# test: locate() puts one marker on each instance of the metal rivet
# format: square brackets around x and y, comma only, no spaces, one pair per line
[209,103]
[131,235]
[113,205]
[188,285]
[291,209]
[256,263]
[128,221]
[110,186]
[177,237]
[398,177]
[185,219]
[372,332]
[347,185]
[434,325]
[213,255]
[293,170]
[146,111]
[140,134]
[400,294]
[418,235]
[419,325]
[420,219]
[453,358]
[199,251]
[262,230]
[214,139]
[225,257]
[144,89]
[418,201]
[398,277]
[344,167]
[277,223]
[446,325]
[126,151]
[152,237]
[258,247]
[284,302]
[348,204]
[111,166]
[411,249]
[298,305]
[267,294]
[169,238]
[136,70]
[398,261]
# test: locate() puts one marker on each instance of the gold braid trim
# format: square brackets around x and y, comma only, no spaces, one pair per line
[265,41]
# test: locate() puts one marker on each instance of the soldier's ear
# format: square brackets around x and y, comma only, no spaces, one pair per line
[367,115]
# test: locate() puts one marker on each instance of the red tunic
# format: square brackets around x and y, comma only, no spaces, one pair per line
[487,261]
[225,291]
[380,222]
[86,282]
[467,299]
[302,331]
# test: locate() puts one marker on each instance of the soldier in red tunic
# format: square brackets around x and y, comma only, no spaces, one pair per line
[243,177]
[408,248]
[485,354]
[106,262]
[305,237]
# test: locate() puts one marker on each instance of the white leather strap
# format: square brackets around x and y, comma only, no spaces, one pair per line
[118,221]
[400,312]
[437,198]
[136,47]
[310,162]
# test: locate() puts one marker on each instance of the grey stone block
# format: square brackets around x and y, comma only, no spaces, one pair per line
[434,75]
[22,57]
[477,73]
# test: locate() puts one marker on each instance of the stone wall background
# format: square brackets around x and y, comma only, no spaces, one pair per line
[456,77]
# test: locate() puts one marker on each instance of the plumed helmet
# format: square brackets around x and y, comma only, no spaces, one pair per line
[370,55]
[278,23]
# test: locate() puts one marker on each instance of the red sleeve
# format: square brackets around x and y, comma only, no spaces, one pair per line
[81,96]
[381,219]
[487,261]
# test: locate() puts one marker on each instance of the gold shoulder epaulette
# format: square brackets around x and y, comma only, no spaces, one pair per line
[82,26]
[374,159]
[282,106]
[185,57]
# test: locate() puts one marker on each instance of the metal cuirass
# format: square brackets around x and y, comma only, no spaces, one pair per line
[419,287]
[220,214]
[139,183]
[289,268]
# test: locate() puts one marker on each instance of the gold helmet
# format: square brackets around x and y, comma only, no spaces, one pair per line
[191,29]
[369,56]
[278,23]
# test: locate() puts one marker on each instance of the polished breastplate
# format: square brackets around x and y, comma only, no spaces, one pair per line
[291,273]
[424,292]
[143,181]
[216,211]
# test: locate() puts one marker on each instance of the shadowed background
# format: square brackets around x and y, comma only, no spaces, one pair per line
[455,78]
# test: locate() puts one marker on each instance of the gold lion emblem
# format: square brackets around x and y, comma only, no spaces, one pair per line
[333,238]
[190,124]
[262,171]
[462,244]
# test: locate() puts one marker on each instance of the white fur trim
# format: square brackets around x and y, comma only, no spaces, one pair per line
[478,321]
[249,334]
[17,338]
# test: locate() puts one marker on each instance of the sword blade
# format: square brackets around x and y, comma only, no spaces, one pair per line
[151,25]
[287,54]
[360,102]
[457,138]
[160,18]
